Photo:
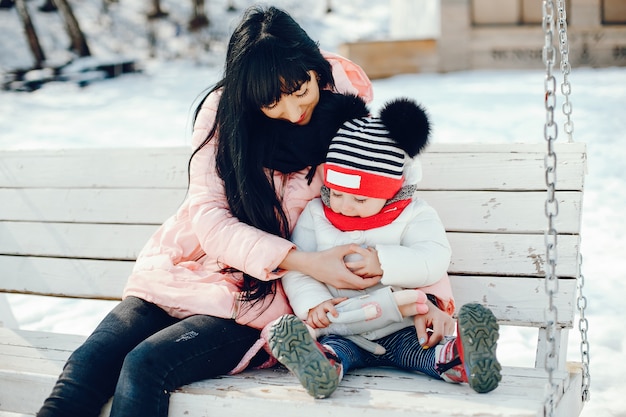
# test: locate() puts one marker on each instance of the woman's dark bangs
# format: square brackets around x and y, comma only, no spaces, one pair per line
[266,88]
[275,74]
[293,74]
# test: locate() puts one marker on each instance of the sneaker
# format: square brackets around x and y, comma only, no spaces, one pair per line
[318,369]
[471,356]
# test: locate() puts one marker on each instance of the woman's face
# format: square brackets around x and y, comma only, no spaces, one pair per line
[298,106]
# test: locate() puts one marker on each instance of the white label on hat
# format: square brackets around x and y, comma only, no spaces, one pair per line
[343,180]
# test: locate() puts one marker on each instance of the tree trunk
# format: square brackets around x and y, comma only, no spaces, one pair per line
[79,43]
[199,18]
[156,12]
[106,4]
[31,35]
[48,6]
[6,4]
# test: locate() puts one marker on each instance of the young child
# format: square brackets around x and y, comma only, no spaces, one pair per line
[370,176]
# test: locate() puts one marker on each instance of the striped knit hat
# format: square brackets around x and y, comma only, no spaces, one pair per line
[367,156]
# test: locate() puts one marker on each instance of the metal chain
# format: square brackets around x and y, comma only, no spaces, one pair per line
[566,89]
[550,133]
[583,326]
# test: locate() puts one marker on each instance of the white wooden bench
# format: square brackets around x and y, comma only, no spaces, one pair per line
[72,222]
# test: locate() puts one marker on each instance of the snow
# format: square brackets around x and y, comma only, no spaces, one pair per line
[153,108]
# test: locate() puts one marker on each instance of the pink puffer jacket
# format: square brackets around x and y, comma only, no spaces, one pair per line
[179,267]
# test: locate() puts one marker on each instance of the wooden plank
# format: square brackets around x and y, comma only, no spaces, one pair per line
[472,253]
[265,391]
[87,205]
[498,169]
[510,254]
[95,168]
[446,166]
[24,383]
[504,212]
[571,403]
[81,278]
[382,59]
[514,300]
[74,240]
[544,350]
[460,211]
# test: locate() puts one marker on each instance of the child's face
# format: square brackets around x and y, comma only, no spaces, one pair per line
[355,205]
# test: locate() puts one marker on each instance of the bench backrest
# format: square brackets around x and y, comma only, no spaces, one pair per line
[73,221]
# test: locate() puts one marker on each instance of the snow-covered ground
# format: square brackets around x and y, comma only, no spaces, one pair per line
[153,108]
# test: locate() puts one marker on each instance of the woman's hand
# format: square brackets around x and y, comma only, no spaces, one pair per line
[439,323]
[328,266]
[318,316]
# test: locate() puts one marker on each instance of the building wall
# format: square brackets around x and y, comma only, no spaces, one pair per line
[497,34]
[507,34]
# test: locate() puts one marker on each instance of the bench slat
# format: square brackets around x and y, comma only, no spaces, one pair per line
[372,392]
[475,167]
[74,240]
[508,254]
[472,253]
[86,205]
[257,393]
[498,169]
[514,300]
[79,278]
[504,212]
[95,168]
[466,211]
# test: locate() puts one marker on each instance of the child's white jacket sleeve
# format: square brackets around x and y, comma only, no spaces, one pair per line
[304,292]
[422,256]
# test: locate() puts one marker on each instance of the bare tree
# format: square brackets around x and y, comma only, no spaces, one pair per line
[106,4]
[156,12]
[77,38]
[199,18]
[31,34]
[6,4]
[48,6]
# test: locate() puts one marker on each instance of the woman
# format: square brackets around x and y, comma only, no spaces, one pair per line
[206,282]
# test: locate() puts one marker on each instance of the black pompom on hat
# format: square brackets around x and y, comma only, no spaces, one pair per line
[367,156]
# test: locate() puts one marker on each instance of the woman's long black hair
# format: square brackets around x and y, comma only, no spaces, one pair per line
[268,55]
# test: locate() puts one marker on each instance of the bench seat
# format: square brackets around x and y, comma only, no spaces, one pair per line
[73,221]
[31,362]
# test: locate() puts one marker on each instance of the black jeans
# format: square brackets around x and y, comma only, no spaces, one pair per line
[139,354]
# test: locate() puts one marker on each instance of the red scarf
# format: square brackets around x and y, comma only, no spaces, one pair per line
[349,223]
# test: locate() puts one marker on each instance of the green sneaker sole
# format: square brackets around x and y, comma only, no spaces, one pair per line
[292,345]
[478,330]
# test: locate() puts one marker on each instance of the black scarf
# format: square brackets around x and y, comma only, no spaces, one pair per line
[286,147]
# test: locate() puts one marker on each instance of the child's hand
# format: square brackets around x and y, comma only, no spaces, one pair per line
[317,317]
[367,265]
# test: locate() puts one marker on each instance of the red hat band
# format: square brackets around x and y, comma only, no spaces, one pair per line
[354,181]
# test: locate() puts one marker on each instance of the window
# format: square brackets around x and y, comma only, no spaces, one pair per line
[512,12]
[613,12]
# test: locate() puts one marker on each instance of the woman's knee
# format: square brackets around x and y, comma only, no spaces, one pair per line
[142,360]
